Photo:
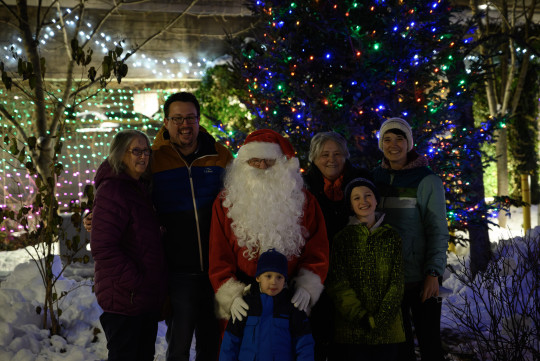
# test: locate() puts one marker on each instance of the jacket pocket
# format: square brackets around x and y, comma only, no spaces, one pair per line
[124,300]
[282,339]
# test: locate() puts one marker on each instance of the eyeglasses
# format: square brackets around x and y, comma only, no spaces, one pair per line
[138,152]
[256,162]
[190,119]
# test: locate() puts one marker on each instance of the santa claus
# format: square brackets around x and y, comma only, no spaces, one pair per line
[264,205]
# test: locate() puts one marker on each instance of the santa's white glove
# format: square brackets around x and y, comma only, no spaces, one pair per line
[239,309]
[301,299]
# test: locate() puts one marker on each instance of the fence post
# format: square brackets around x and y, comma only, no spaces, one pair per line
[526,197]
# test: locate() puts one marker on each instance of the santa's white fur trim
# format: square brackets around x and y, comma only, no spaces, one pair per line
[263,150]
[225,296]
[311,283]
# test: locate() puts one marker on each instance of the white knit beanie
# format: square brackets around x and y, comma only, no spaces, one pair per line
[396,123]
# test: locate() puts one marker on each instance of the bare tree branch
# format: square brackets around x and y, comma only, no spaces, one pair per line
[102,21]
[64,32]
[520,83]
[12,120]
[86,86]
[42,23]
[38,22]
[164,29]
[33,56]
[11,11]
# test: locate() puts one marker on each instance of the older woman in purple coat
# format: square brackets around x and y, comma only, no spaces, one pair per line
[130,271]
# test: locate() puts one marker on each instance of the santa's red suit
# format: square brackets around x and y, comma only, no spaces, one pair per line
[231,268]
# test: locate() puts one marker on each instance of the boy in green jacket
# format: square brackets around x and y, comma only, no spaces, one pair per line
[366,280]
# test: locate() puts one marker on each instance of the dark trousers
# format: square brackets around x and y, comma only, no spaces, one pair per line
[322,327]
[192,302]
[130,337]
[385,352]
[426,318]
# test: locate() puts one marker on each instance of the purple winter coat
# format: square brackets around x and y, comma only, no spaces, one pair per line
[130,270]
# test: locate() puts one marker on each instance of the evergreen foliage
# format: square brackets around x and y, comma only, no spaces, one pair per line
[223,115]
[346,66]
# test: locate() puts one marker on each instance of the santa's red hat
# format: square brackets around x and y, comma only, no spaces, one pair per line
[266,144]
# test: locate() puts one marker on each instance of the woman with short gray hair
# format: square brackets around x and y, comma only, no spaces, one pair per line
[328,174]
[326,177]
[317,143]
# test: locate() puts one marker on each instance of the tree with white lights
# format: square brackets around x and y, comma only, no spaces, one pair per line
[35,138]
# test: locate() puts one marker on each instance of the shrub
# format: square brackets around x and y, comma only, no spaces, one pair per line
[499,309]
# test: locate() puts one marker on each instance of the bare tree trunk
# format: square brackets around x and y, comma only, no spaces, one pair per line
[44,154]
[479,244]
[501,150]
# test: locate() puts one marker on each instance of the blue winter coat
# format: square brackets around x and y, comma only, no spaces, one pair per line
[130,270]
[273,330]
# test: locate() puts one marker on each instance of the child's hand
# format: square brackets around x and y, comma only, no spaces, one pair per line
[301,299]
[239,309]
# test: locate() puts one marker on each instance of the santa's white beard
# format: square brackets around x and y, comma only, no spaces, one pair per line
[266,207]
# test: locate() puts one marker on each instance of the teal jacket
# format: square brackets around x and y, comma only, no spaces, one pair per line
[365,281]
[413,200]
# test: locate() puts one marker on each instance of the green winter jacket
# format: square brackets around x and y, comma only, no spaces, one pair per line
[413,201]
[365,281]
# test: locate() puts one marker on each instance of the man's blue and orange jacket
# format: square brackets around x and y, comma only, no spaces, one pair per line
[183,195]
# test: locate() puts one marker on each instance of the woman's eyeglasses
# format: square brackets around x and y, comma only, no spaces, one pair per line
[138,152]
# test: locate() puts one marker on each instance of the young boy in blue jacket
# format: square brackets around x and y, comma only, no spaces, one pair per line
[274,329]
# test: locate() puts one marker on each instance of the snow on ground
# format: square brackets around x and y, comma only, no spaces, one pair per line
[21,292]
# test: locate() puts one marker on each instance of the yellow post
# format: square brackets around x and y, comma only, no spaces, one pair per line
[451,245]
[526,197]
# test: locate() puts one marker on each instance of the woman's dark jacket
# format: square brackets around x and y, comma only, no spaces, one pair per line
[336,213]
[130,270]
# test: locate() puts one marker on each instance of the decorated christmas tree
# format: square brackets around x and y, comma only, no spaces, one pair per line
[348,65]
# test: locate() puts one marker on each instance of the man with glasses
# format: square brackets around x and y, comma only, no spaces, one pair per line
[187,168]
[264,205]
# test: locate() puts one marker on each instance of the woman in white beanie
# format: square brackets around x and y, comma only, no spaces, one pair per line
[412,197]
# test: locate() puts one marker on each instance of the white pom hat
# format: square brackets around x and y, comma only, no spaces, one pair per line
[396,123]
